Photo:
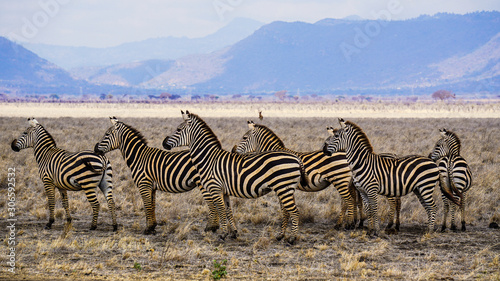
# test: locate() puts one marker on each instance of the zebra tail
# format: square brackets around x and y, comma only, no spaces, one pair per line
[445,189]
[452,183]
[89,166]
[304,180]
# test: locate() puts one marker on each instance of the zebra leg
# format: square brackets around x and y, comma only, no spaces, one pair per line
[373,202]
[359,207]
[395,209]
[398,213]
[213,221]
[367,207]
[92,198]
[453,209]
[106,186]
[429,205]
[49,190]
[446,209]
[145,189]
[462,211]
[285,217]
[218,200]
[287,199]
[343,210]
[153,207]
[64,199]
[233,232]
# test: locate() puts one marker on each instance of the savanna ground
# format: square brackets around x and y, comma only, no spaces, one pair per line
[182,250]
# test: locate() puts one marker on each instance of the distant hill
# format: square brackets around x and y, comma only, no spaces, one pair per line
[163,48]
[341,54]
[23,73]
[23,66]
[352,56]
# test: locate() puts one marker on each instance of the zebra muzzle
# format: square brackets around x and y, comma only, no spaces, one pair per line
[14,146]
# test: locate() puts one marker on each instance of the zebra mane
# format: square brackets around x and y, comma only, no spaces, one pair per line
[361,136]
[452,135]
[49,136]
[135,132]
[207,128]
[264,128]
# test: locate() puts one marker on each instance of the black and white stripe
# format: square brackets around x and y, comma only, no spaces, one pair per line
[226,174]
[153,169]
[65,171]
[322,171]
[389,176]
[455,171]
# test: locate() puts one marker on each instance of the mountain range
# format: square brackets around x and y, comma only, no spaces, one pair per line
[163,48]
[460,53]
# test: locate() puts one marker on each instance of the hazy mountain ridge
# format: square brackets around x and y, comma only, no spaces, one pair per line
[460,53]
[165,48]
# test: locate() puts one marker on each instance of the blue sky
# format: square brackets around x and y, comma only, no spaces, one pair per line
[103,23]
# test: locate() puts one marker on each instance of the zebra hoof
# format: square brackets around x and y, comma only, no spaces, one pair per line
[493,225]
[453,228]
[463,227]
[150,231]
[443,228]
[222,237]
[212,228]
[93,227]
[391,231]
[115,227]
[48,226]
[280,236]
[69,220]
[233,234]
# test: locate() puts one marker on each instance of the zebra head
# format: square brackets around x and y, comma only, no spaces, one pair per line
[182,136]
[336,141]
[249,141]
[448,144]
[110,140]
[27,138]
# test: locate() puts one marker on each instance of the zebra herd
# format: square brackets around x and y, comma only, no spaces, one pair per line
[257,165]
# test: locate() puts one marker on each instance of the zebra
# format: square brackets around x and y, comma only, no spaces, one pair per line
[389,176]
[394,202]
[154,169]
[454,169]
[65,171]
[322,171]
[226,174]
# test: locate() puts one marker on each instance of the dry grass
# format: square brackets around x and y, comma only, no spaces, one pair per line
[181,250]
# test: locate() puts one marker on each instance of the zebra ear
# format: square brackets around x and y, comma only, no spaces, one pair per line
[342,123]
[251,124]
[184,115]
[330,131]
[442,132]
[32,121]
[113,120]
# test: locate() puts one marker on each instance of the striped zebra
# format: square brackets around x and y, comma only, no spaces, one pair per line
[68,171]
[454,169]
[322,171]
[389,176]
[394,202]
[226,174]
[153,169]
